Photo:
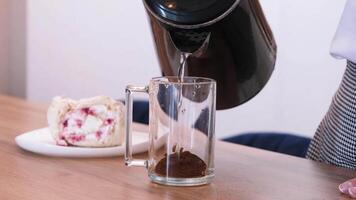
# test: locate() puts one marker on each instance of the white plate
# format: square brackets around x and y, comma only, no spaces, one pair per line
[40,141]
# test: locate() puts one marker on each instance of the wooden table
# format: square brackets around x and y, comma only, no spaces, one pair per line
[241,172]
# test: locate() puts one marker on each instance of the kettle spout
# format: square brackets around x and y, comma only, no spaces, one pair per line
[190,42]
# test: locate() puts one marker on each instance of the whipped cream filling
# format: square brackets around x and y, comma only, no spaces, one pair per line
[87,124]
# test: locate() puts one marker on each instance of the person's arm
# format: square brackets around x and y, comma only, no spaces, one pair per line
[335,139]
[344,43]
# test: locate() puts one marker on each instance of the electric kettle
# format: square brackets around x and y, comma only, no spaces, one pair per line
[229,41]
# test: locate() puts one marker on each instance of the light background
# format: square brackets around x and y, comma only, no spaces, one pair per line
[81,48]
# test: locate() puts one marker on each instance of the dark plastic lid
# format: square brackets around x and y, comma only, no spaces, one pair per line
[189,12]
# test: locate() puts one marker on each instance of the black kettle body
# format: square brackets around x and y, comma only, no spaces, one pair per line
[240,50]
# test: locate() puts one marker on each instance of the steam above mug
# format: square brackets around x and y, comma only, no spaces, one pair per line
[239,50]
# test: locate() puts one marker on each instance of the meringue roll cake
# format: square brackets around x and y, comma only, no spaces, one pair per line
[93,122]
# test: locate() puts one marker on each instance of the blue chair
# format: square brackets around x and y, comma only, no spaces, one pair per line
[140,112]
[277,142]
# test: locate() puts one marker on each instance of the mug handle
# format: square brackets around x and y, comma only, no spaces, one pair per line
[129,160]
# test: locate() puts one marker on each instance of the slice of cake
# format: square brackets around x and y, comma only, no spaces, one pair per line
[93,122]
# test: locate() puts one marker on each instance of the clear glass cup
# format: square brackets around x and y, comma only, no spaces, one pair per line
[183,114]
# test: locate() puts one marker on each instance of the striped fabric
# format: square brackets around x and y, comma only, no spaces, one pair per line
[335,139]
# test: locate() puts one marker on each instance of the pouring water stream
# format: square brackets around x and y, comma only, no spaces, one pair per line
[181,73]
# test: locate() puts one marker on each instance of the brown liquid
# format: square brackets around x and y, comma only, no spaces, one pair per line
[181,164]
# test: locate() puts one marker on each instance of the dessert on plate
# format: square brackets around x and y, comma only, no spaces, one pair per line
[92,122]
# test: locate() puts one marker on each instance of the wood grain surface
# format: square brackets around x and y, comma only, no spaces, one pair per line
[241,172]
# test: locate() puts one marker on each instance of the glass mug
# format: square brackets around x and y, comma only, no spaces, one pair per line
[182,113]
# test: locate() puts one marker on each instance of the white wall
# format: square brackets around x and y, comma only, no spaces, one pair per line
[82,48]
[4,44]
[13,47]
[87,47]
[17,76]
